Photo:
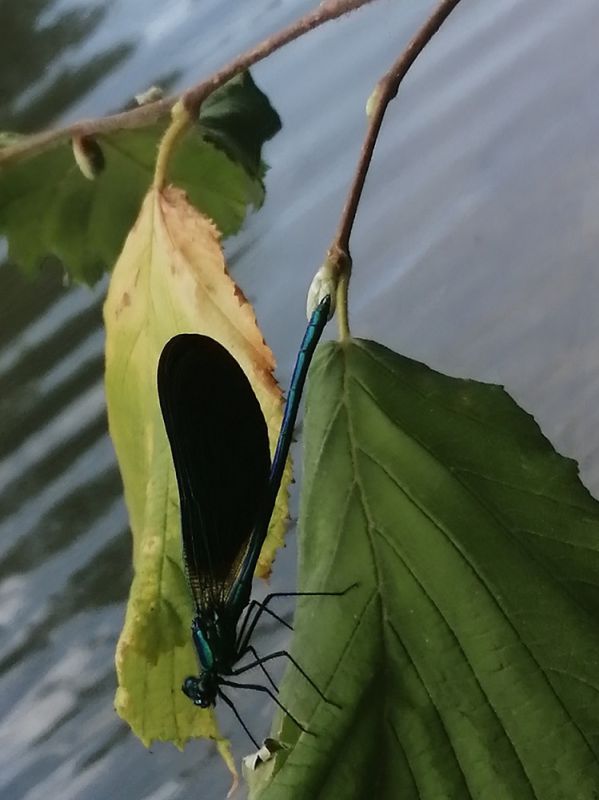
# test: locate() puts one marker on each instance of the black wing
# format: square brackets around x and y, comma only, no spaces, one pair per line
[219,442]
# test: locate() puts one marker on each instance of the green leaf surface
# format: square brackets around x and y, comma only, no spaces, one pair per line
[239,120]
[48,208]
[466,661]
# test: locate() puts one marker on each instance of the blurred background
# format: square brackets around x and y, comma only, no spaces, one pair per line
[475,251]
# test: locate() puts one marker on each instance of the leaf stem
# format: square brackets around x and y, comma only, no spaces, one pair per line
[151,113]
[182,120]
[385,90]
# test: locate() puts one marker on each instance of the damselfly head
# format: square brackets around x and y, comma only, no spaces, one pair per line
[201,691]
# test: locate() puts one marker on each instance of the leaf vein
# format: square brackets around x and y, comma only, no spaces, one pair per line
[526,490]
[450,539]
[466,660]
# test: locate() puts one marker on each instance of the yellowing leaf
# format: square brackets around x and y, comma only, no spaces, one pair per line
[170,278]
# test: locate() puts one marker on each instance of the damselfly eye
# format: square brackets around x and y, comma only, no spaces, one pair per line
[191,688]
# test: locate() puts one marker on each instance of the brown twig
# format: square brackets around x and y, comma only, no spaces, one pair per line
[153,112]
[386,89]
[136,118]
[327,10]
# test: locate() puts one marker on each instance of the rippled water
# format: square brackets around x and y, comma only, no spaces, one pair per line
[475,250]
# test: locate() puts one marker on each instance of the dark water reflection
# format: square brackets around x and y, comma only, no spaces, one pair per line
[475,251]
[39,79]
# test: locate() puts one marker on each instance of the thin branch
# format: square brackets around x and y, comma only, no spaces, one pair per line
[136,118]
[153,112]
[386,89]
[326,11]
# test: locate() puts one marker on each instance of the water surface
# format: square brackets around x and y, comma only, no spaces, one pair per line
[475,251]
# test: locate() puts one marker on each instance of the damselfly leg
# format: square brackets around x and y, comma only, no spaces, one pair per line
[231,705]
[247,627]
[256,687]
[257,663]
[282,654]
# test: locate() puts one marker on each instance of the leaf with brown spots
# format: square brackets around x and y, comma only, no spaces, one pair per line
[170,278]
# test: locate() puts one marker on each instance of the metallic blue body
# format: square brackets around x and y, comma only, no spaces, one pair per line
[239,593]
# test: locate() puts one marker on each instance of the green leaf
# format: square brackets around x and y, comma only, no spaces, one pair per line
[48,207]
[466,661]
[239,118]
